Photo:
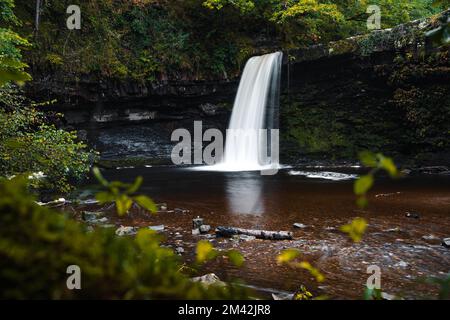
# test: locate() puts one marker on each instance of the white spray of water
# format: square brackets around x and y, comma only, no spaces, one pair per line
[247,144]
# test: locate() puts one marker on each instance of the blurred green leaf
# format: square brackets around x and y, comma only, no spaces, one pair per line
[235,257]
[146,203]
[362,201]
[368,159]
[363,184]
[135,186]
[104,197]
[205,251]
[388,165]
[313,271]
[98,175]
[123,204]
[355,229]
[287,255]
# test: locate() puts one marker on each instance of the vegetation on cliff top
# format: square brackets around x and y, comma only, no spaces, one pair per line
[190,39]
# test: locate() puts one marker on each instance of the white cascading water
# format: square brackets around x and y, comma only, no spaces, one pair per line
[245,148]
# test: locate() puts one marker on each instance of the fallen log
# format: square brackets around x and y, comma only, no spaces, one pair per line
[260,234]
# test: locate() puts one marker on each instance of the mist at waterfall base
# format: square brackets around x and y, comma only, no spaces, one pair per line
[250,142]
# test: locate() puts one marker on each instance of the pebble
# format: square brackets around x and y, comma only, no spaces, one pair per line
[205,228]
[91,216]
[413,215]
[446,242]
[156,228]
[126,231]
[401,264]
[209,279]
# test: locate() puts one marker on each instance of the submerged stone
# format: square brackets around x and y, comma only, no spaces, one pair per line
[91,216]
[209,279]
[126,231]
[446,242]
[197,222]
[99,221]
[205,228]
[413,215]
[156,228]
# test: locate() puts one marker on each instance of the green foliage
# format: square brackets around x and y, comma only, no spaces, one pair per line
[302,294]
[376,162]
[28,144]
[373,294]
[37,245]
[444,286]
[289,255]
[355,229]
[11,65]
[244,6]
[205,251]
[194,39]
[363,184]
[122,194]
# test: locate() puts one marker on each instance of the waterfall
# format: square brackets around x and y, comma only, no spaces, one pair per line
[248,145]
[255,108]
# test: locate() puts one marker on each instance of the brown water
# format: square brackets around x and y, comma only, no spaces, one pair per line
[393,241]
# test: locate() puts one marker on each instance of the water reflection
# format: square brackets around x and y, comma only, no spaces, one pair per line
[244,193]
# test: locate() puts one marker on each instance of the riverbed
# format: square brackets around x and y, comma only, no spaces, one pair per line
[406,248]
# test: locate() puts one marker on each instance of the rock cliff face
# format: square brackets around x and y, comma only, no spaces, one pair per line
[387,91]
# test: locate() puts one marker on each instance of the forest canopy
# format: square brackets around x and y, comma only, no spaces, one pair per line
[192,39]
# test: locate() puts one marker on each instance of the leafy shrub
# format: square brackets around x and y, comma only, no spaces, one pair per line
[11,65]
[29,144]
[122,194]
[37,245]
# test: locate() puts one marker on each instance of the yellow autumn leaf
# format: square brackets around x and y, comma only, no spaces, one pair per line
[312,270]
[355,229]
[287,255]
[205,251]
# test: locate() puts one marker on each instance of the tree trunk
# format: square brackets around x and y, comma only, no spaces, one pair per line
[38,15]
[260,234]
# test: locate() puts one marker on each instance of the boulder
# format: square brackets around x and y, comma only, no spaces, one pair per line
[209,279]
[195,232]
[126,231]
[299,226]
[209,109]
[197,222]
[205,228]
[179,250]
[446,242]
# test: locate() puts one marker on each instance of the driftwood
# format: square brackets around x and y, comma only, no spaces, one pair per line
[260,234]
